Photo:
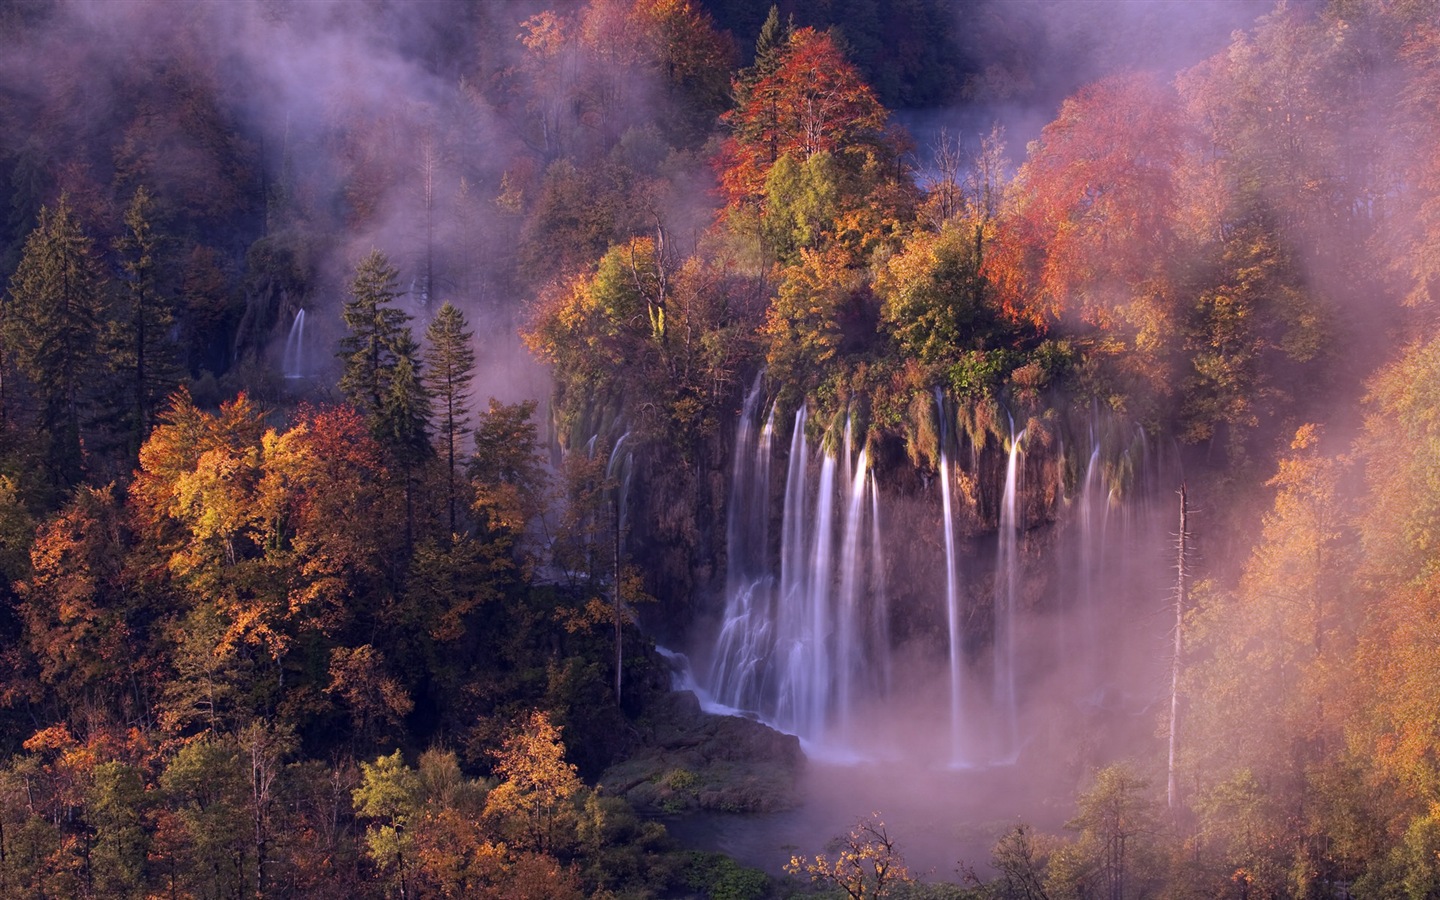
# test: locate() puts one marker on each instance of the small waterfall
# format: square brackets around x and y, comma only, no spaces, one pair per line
[954,634]
[618,469]
[852,562]
[815,688]
[952,616]
[292,364]
[1007,577]
[746,640]
[1088,563]
[791,638]
[879,593]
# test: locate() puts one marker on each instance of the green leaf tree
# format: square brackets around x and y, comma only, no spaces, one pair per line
[390,796]
[205,783]
[1116,822]
[115,806]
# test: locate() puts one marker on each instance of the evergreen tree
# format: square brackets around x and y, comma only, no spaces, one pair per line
[405,408]
[450,362]
[382,373]
[769,48]
[143,354]
[51,326]
[372,349]
[749,86]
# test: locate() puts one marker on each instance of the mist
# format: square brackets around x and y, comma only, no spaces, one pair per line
[950,572]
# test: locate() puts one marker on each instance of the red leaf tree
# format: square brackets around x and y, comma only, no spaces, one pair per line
[813,101]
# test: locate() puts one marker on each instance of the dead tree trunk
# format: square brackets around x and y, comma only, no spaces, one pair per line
[1171,789]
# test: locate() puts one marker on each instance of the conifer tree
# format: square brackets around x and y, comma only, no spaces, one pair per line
[51,325]
[143,355]
[382,372]
[769,48]
[372,349]
[450,367]
[749,86]
[405,410]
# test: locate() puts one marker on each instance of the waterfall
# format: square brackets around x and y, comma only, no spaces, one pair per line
[849,641]
[292,364]
[954,639]
[618,468]
[815,685]
[792,623]
[1088,563]
[746,638]
[879,593]
[844,625]
[954,635]
[792,648]
[1007,577]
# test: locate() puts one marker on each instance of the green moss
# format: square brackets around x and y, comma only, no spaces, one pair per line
[719,877]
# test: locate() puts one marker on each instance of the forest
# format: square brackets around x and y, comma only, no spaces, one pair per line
[398,399]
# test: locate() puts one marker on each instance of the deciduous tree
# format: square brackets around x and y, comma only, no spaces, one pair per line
[868,864]
[812,101]
[534,799]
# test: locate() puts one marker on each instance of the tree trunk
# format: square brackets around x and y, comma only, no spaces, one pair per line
[1172,797]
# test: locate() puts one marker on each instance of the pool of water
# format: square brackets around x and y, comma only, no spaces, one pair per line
[941,819]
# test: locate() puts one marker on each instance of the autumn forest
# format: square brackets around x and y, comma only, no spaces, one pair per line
[399,399]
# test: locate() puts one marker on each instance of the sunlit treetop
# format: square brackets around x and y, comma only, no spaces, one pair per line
[1093,219]
[813,101]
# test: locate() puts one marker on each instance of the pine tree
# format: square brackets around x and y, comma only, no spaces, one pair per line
[382,373]
[143,355]
[405,408]
[749,86]
[51,325]
[371,350]
[769,48]
[450,362]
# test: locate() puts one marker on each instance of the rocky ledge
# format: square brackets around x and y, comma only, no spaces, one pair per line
[689,759]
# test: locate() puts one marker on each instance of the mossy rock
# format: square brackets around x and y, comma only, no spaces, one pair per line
[689,760]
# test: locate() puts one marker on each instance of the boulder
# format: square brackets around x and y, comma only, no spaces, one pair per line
[689,759]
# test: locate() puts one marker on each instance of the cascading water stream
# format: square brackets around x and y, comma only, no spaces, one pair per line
[1007,577]
[954,637]
[618,468]
[952,618]
[746,637]
[810,642]
[1086,563]
[793,623]
[815,686]
[849,641]
[879,594]
[292,364]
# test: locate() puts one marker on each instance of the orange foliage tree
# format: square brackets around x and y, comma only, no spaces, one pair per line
[1088,236]
[814,101]
[1092,223]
